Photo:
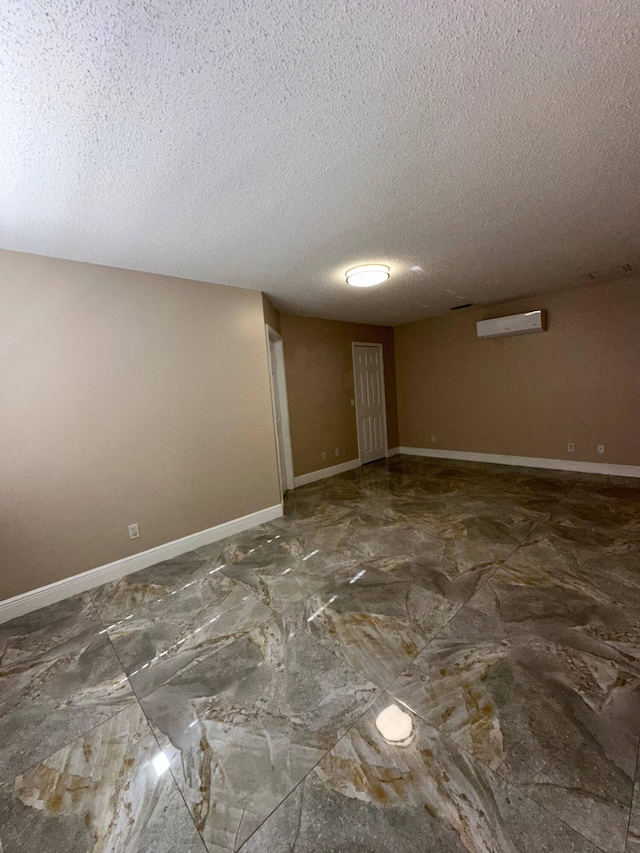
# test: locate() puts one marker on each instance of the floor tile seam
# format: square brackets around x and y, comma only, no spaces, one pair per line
[148,601]
[32,657]
[456,747]
[49,624]
[453,615]
[248,587]
[368,705]
[95,609]
[501,775]
[300,630]
[68,743]
[119,659]
[90,593]
[53,648]
[433,639]
[481,585]
[315,640]
[518,630]
[173,775]
[199,659]
[575,485]
[134,698]
[527,543]
[547,520]
[135,701]
[128,677]
[124,671]
[235,583]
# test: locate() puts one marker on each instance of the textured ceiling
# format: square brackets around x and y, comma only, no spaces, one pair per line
[272,144]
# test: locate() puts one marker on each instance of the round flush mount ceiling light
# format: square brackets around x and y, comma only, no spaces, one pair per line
[367,275]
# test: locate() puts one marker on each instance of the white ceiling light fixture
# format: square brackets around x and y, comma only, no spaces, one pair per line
[367,275]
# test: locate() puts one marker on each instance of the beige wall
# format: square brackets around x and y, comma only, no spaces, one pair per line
[533,394]
[319,369]
[125,397]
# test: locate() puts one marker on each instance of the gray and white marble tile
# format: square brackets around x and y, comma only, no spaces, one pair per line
[502,603]
[595,588]
[552,710]
[464,536]
[102,793]
[378,617]
[597,515]
[369,795]
[42,630]
[279,566]
[118,599]
[48,700]
[243,727]
[612,508]
[633,836]
[189,623]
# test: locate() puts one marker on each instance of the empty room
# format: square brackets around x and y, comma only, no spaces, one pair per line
[320,426]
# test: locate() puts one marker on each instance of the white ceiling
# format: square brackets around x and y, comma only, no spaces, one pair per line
[273,144]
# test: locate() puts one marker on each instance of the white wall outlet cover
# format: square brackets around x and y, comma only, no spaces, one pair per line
[337,451]
[433,438]
[324,454]
[133,531]
[571,447]
[601,448]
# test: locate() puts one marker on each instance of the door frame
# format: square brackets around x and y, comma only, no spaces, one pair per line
[355,344]
[272,335]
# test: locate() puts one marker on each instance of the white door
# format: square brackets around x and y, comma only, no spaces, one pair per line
[277,416]
[370,406]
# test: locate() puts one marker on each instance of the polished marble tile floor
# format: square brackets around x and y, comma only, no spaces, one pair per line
[230,699]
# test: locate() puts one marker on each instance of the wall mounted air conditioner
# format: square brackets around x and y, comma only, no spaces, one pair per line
[516,324]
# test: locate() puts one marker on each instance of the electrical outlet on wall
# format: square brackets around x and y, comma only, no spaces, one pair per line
[324,454]
[571,447]
[133,531]
[337,451]
[601,448]
[433,439]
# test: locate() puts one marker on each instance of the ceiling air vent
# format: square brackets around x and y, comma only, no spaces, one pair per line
[610,274]
[458,307]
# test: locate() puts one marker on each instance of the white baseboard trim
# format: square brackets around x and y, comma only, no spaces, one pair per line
[529,461]
[394,451]
[326,472]
[10,608]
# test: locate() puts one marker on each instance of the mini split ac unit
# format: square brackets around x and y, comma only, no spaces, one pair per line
[516,324]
